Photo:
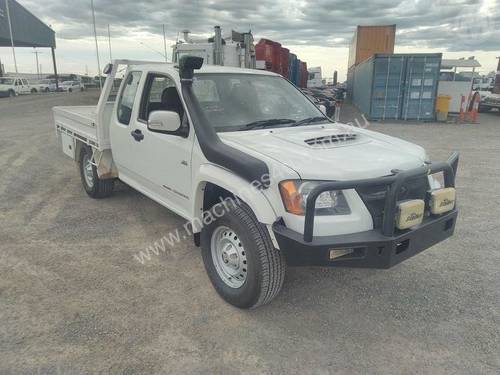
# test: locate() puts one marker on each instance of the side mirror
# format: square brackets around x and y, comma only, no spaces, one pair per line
[108,68]
[164,121]
[322,108]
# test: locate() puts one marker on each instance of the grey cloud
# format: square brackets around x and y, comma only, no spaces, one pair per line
[453,25]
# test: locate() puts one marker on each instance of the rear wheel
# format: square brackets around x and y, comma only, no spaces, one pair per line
[33,91]
[93,185]
[46,89]
[241,261]
[12,93]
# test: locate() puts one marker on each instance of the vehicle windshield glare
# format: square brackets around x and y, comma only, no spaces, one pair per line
[233,102]
[6,81]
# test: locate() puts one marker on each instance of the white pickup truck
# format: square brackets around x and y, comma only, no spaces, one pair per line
[13,86]
[264,178]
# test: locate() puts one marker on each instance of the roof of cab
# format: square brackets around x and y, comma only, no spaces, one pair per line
[168,67]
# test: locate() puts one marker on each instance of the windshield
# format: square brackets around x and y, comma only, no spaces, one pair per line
[234,102]
[6,81]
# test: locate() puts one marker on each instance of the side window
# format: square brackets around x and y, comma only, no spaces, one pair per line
[160,94]
[18,82]
[25,83]
[127,97]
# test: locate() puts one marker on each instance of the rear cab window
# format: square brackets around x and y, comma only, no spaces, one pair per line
[127,97]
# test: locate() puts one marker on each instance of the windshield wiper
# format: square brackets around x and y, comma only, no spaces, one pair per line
[270,122]
[310,120]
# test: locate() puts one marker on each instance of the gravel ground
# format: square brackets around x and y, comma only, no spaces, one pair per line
[73,300]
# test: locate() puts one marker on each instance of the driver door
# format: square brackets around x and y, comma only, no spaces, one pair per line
[158,164]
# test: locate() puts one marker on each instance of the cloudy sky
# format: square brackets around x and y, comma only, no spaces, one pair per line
[317,31]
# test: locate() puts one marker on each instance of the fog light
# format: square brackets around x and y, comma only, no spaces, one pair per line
[442,200]
[410,213]
[337,253]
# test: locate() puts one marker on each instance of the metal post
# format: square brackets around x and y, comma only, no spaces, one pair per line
[218,46]
[109,43]
[55,67]
[96,45]
[165,43]
[11,35]
[37,64]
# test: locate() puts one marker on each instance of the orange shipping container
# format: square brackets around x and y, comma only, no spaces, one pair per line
[369,40]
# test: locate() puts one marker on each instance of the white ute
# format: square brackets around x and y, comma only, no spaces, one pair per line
[264,178]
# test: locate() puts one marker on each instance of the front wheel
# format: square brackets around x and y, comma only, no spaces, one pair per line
[241,261]
[12,93]
[93,185]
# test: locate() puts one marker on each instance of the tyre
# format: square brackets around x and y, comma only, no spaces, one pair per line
[33,91]
[46,89]
[12,93]
[93,185]
[70,90]
[241,261]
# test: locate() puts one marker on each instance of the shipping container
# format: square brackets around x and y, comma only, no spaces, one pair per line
[350,82]
[285,54]
[270,52]
[298,76]
[292,68]
[304,74]
[369,40]
[398,86]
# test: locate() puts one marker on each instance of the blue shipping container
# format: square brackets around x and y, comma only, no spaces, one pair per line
[292,62]
[398,86]
[298,74]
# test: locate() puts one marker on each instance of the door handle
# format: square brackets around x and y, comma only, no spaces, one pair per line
[137,135]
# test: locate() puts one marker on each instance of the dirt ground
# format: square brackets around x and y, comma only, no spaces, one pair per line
[74,300]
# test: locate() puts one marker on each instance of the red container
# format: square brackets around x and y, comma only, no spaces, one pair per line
[270,52]
[285,54]
[304,74]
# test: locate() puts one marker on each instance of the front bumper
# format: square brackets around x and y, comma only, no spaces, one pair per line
[377,248]
[370,249]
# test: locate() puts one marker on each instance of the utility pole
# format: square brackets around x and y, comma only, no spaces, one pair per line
[52,50]
[37,64]
[497,78]
[11,35]
[165,43]
[96,45]
[109,43]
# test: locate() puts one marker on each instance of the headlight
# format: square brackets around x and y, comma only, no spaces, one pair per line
[294,194]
